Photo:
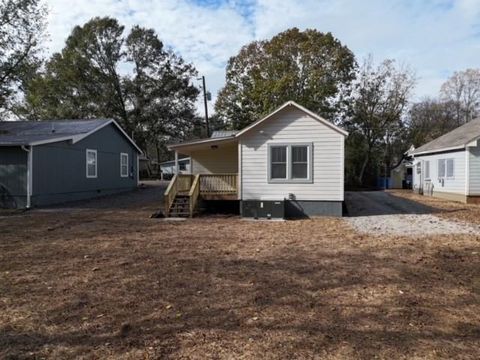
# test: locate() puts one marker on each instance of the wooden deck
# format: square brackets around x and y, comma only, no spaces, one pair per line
[204,186]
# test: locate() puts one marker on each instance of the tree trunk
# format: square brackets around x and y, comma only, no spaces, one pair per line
[364,166]
[157,147]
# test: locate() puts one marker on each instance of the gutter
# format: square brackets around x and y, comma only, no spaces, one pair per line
[29,173]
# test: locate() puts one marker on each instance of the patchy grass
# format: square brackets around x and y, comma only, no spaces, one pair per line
[106,283]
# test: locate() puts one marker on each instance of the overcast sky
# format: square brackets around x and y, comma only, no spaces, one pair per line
[434,37]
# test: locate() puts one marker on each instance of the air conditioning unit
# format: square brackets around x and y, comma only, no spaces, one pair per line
[259,209]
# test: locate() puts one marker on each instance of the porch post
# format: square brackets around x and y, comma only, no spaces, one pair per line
[176,163]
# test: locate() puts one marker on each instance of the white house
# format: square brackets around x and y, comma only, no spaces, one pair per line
[169,167]
[449,166]
[290,163]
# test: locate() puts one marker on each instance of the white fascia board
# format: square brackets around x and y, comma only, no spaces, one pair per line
[472,143]
[301,108]
[439,150]
[198,143]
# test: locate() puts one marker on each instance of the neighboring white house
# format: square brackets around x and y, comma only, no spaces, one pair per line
[169,167]
[449,166]
[292,158]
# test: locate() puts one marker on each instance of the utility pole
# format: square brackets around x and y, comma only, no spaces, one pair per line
[206,106]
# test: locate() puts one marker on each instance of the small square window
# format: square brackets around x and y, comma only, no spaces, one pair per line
[124,165]
[91,163]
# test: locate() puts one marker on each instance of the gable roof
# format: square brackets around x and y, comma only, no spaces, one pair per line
[458,138]
[299,107]
[222,136]
[17,133]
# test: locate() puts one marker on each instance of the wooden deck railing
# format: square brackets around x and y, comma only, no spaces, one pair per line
[197,185]
[218,184]
[194,194]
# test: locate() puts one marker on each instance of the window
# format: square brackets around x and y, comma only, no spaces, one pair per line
[446,168]
[91,163]
[441,168]
[450,168]
[427,169]
[123,165]
[299,162]
[278,162]
[182,167]
[290,163]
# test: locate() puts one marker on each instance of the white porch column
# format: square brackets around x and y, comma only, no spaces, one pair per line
[176,163]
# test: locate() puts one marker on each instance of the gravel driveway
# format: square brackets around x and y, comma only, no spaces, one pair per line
[381,213]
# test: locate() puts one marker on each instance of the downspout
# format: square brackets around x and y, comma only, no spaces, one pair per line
[29,174]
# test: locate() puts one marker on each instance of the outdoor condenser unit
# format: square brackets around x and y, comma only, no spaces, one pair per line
[264,209]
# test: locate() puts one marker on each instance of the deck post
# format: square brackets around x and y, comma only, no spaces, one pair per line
[177,167]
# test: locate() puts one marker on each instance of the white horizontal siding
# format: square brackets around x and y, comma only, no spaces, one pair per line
[474,166]
[293,126]
[223,159]
[455,185]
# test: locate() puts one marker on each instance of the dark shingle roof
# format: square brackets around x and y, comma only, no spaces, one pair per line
[16,133]
[456,138]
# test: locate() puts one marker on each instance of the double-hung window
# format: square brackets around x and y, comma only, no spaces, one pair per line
[290,163]
[446,168]
[91,163]
[278,162]
[124,165]
[450,169]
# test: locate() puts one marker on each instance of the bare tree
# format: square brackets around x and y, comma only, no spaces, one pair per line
[429,119]
[463,89]
[379,101]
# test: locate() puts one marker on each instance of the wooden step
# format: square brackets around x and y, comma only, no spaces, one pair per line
[180,206]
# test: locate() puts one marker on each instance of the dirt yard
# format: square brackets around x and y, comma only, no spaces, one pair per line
[95,281]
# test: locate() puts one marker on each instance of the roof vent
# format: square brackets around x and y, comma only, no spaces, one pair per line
[53,128]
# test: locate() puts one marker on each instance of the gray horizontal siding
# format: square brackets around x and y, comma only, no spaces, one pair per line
[13,174]
[59,169]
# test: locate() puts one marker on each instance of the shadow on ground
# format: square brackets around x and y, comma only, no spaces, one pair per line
[148,191]
[370,203]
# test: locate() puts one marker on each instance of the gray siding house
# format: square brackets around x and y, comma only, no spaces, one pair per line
[50,162]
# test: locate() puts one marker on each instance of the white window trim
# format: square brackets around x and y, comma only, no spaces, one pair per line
[289,179]
[121,165]
[86,164]
[445,168]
